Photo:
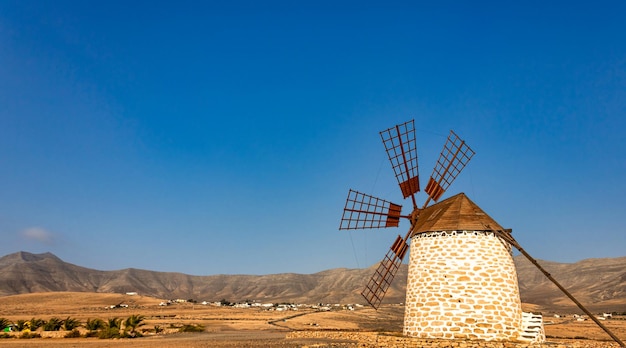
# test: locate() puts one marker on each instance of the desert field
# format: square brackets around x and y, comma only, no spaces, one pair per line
[243,327]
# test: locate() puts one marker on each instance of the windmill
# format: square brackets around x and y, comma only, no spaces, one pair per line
[462,281]
[364,211]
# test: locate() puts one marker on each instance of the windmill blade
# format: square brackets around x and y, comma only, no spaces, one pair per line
[365,211]
[378,284]
[400,145]
[454,157]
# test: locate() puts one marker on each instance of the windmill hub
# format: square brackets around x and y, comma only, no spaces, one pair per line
[414,216]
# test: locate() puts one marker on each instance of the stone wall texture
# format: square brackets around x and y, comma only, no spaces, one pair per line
[462,285]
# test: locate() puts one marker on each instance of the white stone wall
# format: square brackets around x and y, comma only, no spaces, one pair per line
[462,285]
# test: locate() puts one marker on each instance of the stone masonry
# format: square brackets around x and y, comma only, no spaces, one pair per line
[462,285]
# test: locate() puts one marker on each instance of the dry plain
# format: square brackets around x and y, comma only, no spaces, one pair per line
[245,327]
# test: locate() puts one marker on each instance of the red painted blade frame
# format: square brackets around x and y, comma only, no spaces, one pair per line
[400,145]
[453,158]
[365,211]
[379,283]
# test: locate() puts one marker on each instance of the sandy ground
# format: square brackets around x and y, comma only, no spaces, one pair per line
[245,327]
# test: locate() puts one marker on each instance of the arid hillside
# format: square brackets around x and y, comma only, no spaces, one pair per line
[24,272]
[598,283]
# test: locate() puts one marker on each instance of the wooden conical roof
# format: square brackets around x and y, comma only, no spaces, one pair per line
[456,213]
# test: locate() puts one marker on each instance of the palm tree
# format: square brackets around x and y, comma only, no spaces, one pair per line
[36,323]
[95,324]
[54,324]
[114,323]
[132,323]
[71,323]
[111,329]
[21,324]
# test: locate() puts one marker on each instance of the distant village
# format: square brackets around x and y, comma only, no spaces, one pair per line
[269,306]
[251,304]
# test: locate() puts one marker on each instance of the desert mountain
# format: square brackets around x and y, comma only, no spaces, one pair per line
[24,272]
[598,283]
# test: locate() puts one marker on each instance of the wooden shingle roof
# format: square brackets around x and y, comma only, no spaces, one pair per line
[456,213]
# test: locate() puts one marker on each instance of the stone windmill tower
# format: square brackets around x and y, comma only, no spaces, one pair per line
[462,281]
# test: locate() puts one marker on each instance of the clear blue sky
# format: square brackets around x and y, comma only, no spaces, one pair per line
[222,137]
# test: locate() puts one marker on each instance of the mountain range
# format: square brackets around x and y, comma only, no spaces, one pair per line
[600,284]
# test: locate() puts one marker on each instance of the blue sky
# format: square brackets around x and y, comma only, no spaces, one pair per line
[222,138]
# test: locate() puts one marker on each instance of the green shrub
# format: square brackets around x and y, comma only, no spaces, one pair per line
[109,332]
[27,335]
[191,328]
[92,334]
[72,334]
